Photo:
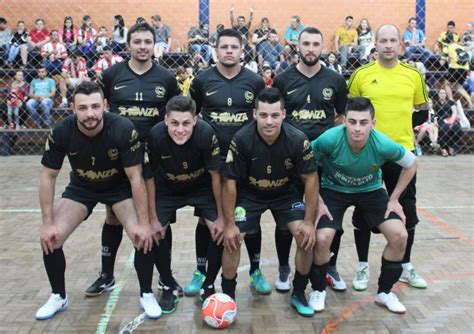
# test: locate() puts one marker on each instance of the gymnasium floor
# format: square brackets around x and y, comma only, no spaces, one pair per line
[443,255]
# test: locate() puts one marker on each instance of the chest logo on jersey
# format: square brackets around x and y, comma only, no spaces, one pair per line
[266,184]
[328,93]
[138,112]
[227,117]
[306,114]
[113,154]
[96,176]
[160,92]
[249,96]
[133,136]
[288,163]
[374,168]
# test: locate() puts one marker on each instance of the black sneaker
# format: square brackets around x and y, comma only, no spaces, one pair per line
[168,300]
[102,284]
[176,287]
[206,292]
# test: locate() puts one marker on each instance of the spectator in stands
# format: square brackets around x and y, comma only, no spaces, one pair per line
[119,35]
[140,20]
[414,40]
[17,94]
[441,43]
[198,42]
[450,131]
[198,63]
[373,55]
[5,37]
[430,127]
[87,39]
[107,60]
[271,52]
[468,40]
[346,41]
[163,36]
[42,91]
[213,41]
[74,71]
[19,44]
[292,34]
[366,37]
[102,40]
[184,79]
[54,52]
[458,71]
[267,76]
[241,25]
[261,33]
[68,35]
[38,36]
[331,63]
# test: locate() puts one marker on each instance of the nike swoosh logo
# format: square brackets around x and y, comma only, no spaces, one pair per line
[211,93]
[166,156]
[119,87]
[73,153]
[291,91]
[254,158]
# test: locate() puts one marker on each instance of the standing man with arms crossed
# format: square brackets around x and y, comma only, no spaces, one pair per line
[314,98]
[394,89]
[225,96]
[106,163]
[137,89]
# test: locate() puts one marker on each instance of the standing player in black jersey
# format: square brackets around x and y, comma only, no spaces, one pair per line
[314,98]
[106,161]
[183,169]
[137,89]
[264,159]
[224,98]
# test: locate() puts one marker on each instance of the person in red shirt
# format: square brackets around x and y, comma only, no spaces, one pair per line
[54,52]
[74,72]
[267,76]
[107,60]
[38,36]
[17,93]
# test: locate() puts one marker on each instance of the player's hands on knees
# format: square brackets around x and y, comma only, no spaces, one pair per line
[306,235]
[217,231]
[142,238]
[232,238]
[157,230]
[48,237]
[394,206]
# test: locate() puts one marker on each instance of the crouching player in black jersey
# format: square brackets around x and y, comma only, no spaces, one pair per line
[183,168]
[106,162]
[263,159]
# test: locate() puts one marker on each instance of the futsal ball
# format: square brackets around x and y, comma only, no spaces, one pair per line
[219,310]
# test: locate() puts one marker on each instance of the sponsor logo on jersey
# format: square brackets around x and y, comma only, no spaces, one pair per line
[185,177]
[266,184]
[249,96]
[211,93]
[374,168]
[240,214]
[305,114]
[328,93]
[96,175]
[113,154]
[227,117]
[160,92]
[297,206]
[73,153]
[291,91]
[119,87]
[288,163]
[134,135]
[163,157]
[138,112]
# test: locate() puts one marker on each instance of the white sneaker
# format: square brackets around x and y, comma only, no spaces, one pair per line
[390,301]
[282,285]
[317,300]
[150,306]
[335,281]
[411,277]
[361,279]
[54,305]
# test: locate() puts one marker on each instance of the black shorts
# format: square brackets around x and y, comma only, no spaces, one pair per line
[371,205]
[285,209]
[202,199]
[457,75]
[90,199]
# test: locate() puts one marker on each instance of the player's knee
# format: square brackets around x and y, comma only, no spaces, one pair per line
[399,240]
[323,240]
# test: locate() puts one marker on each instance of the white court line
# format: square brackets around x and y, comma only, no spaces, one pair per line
[189,209]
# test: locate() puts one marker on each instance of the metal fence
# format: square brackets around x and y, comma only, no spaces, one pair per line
[23,130]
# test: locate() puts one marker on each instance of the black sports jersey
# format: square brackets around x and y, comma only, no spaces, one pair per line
[266,170]
[182,168]
[97,162]
[312,103]
[142,98]
[226,104]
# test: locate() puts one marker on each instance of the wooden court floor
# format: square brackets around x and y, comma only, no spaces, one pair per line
[443,255]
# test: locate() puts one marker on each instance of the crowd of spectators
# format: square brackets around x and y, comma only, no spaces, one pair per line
[64,57]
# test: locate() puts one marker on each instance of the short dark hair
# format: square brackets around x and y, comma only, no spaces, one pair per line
[87,88]
[270,95]
[451,23]
[229,33]
[411,19]
[37,20]
[156,17]
[310,30]
[349,17]
[360,104]
[141,26]
[76,54]
[3,20]
[107,48]
[180,70]
[181,104]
